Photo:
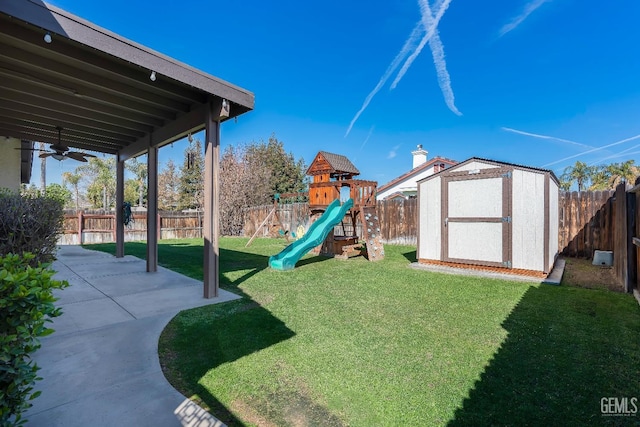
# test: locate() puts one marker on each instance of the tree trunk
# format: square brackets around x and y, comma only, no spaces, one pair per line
[43,172]
[140,193]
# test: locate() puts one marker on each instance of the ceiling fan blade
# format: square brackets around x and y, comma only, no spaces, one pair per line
[80,153]
[46,154]
[76,156]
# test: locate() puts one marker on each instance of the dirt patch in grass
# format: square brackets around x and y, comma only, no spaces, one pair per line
[581,273]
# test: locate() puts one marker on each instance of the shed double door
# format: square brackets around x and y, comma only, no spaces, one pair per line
[476,212]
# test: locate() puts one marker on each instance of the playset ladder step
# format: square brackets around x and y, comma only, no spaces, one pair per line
[371,233]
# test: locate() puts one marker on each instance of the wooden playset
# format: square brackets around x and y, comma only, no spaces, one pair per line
[333,178]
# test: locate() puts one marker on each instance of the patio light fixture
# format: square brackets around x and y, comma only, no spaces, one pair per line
[47,38]
[152,77]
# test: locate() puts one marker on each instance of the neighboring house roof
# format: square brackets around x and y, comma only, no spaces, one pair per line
[415,171]
[498,163]
[396,195]
[336,163]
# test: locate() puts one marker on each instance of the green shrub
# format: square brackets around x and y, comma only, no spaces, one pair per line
[26,303]
[30,224]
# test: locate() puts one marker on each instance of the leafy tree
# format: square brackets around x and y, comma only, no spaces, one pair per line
[139,169]
[168,187]
[579,173]
[74,180]
[131,187]
[101,174]
[287,173]
[29,191]
[59,193]
[192,177]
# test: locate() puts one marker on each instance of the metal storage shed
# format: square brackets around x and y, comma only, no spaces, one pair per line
[489,213]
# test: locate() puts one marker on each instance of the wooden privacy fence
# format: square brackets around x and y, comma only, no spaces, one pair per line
[99,226]
[398,220]
[586,222]
[608,220]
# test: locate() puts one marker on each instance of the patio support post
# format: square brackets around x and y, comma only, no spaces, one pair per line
[211,226]
[152,209]
[119,203]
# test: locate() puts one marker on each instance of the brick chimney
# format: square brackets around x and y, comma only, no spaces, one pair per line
[419,156]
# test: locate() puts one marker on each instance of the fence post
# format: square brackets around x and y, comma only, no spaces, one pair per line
[631,275]
[79,227]
[159,226]
[113,226]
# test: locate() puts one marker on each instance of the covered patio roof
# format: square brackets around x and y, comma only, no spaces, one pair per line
[110,95]
[97,85]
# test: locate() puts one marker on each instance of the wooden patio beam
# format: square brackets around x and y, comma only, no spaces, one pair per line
[152,209]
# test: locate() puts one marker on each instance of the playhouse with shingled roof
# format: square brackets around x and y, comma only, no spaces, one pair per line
[333,178]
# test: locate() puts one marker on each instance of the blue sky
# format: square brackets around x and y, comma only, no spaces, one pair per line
[533,82]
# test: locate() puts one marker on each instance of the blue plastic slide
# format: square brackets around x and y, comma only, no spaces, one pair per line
[287,259]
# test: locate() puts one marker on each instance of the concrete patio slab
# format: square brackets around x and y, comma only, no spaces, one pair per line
[89,314]
[101,366]
[128,282]
[167,300]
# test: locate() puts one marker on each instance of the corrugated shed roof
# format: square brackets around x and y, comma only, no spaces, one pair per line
[340,163]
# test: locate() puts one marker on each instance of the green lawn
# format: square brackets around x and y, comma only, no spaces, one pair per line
[379,344]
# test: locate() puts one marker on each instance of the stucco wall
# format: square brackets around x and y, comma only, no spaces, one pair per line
[10,163]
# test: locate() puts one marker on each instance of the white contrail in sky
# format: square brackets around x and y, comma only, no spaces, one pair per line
[408,45]
[620,154]
[367,138]
[437,51]
[535,135]
[593,150]
[528,10]
[430,31]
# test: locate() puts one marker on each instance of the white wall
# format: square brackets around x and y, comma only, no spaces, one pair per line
[409,184]
[528,220]
[10,163]
[429,231]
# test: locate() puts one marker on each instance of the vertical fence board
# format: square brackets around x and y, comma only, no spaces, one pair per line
[586,222]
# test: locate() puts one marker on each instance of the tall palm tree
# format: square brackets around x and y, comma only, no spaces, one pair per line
[622,172]
[600,178]
[43,171]
[74,180]
[579,173]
